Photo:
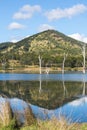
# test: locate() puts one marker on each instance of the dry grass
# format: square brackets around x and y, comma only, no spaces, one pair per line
[53,124]
[29,117]
[5,113]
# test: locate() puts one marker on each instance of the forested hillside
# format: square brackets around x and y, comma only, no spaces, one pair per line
[50,45]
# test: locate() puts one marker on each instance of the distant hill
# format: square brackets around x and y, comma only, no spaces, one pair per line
[51,45]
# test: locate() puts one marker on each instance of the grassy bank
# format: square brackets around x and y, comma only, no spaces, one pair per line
[11,121]
[35,69]
[48,125]
[55,125]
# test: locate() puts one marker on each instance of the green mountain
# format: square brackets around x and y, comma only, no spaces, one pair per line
[51,45]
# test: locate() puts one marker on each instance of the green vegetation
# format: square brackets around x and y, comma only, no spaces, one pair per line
[52,124]
[50,45]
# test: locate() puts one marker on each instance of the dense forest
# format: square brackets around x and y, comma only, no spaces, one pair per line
[50,45]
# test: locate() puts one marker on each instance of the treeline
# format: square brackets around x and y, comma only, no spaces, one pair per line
[47,60]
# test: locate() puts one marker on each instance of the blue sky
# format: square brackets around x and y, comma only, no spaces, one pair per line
[22,18]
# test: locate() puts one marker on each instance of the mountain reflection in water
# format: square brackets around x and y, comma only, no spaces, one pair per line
[46,94]
[50,98]
[75,111]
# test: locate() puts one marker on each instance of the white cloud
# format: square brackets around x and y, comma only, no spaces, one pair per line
[44,27]
[15,25]
[14,40]
[79,37]
[65,13]
[26,12]
[21,15]
[28,8]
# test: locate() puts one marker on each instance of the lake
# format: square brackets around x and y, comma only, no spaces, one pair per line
[56,94]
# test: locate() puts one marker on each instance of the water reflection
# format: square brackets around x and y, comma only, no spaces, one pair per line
[75,111]
[47,94]
[64,87]
[84,87]
[40,84]
[72,111]
[50,95]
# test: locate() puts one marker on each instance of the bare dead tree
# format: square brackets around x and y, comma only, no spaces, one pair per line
[83,53]
[63,64]
[40,61]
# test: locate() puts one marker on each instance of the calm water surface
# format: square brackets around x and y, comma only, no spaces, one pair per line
[67,77]
[57,94]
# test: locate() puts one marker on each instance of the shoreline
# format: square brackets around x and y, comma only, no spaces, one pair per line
[48,70]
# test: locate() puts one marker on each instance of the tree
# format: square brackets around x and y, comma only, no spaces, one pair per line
[40,61]
[39,48]
[63,64]
[83,53]
[4,62]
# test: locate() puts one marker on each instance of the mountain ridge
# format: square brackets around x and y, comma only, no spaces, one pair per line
[50,45]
